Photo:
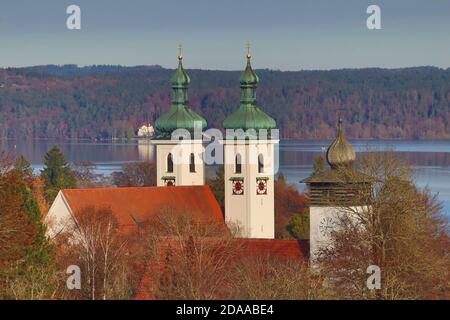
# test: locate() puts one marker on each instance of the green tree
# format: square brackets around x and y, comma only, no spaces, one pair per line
[41,252]
[298,226]
[217,185]
[57,174]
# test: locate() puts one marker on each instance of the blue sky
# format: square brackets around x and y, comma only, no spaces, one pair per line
[285,34]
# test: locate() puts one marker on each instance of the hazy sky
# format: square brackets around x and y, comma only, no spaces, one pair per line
[285,34]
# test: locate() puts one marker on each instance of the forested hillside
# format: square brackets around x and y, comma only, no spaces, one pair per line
[103,101]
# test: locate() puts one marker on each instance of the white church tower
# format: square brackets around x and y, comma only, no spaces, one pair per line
[250,154]
[179,145]
[333,191]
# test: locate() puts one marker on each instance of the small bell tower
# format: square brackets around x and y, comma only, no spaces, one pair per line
[334,190]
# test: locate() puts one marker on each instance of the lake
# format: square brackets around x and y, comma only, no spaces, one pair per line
[430,158]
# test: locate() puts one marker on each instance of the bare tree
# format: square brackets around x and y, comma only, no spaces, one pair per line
[41,283]
[139,174]
[100,249]
[276,278]
[84,172]
[401,230]
[194,257]
[198,260]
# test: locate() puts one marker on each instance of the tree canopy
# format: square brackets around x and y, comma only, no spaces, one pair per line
[104,102]
[57,174]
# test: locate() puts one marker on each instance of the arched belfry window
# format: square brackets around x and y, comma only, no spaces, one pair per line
[238,164]
[169,163]
[260,163]
[192,163]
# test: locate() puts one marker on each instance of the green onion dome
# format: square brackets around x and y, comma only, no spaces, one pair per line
[340,153]
[249,116]
[249,76]
[180,79]
[180,115]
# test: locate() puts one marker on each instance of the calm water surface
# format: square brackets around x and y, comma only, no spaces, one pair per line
[430,158]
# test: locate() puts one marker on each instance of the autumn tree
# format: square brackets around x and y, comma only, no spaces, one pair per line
[402,231]
[15,229]
[27,269]
[382,103]
[57,174]
[288,203]
[24,166]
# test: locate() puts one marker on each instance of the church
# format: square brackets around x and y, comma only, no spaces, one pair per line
[250,163]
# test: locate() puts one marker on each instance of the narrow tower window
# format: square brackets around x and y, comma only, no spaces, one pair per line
[238,164]
[170,163]
[192,163]
[260,163]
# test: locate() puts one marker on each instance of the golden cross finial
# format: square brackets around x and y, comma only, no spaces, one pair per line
[248,49]
[180,52]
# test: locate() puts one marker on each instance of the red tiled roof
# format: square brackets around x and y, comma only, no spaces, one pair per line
[292,249]
[131,205]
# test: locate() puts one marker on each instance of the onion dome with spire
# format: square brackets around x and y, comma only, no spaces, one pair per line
[340,153]
[339,185]
[248,115]
[180,115]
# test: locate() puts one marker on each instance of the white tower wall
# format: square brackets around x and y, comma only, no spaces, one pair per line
[181,153]
[321,221]
[251,212]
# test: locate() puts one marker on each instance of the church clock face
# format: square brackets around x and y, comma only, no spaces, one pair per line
[326,226]
[169,182]
[261,186]
[238,187]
